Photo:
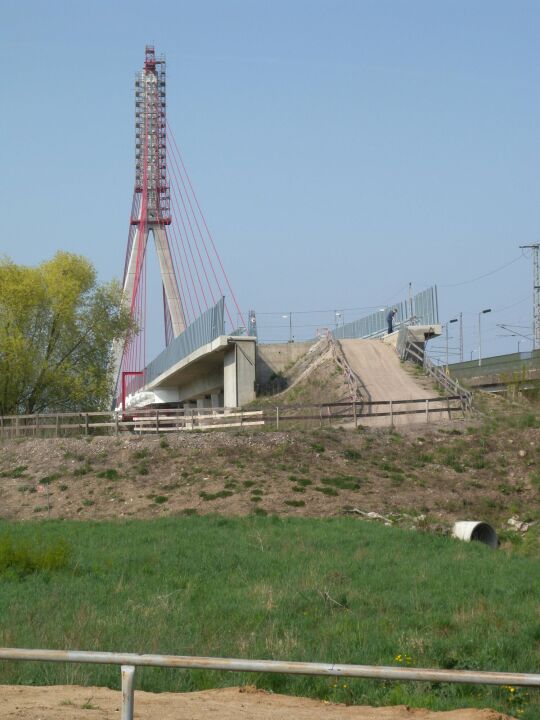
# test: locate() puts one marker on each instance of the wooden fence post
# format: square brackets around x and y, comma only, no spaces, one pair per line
[355,415]
[86,423]
[277,418]
[116,423]
[427,410]
[391,414]
[57,423]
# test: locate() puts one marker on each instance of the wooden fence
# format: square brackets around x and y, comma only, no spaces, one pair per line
[373,412]
[377,412]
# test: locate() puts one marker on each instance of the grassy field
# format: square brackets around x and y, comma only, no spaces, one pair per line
[334,590]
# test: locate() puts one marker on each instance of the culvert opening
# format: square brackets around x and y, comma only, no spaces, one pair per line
[484,533]
[473,530]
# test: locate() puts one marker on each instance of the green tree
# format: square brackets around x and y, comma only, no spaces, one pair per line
[57,329]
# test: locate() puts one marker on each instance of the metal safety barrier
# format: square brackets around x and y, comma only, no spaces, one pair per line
[129,661]
[207,327]
[407,349]
[422,309]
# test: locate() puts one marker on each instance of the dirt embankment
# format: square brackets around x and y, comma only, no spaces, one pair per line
[314,377]
[428,475]
[72,703]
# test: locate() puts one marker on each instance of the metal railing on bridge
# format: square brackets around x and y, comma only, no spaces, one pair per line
[422,309]
[206,328]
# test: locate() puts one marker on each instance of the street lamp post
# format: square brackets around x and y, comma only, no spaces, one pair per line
[338,316]
[446,333]
[289,316]
[482,312]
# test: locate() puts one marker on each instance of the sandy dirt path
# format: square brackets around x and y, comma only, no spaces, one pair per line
[62,702]
[377,365]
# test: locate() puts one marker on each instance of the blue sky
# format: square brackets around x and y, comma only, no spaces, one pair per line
[339,149]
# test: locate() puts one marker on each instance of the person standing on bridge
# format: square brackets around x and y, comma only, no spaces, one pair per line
[390,320]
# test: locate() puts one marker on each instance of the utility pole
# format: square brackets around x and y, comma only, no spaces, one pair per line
[536,293]
[461,337]
[446,333]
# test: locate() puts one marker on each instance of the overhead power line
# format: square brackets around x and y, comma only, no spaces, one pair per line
[480,277]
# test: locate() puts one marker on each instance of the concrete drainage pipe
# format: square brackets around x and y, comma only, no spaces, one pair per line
[468,530]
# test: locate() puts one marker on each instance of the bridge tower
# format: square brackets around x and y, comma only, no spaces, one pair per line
[165,208]
[151,202]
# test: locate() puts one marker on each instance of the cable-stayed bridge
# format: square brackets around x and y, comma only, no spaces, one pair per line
[201,365]
[197,294]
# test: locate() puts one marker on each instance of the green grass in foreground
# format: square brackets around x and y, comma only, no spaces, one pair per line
[336,590]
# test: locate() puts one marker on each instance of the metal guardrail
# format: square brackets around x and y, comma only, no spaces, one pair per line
[448,383]
[410,350]
[129,661]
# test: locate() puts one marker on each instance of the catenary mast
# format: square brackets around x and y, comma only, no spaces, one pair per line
[535,247]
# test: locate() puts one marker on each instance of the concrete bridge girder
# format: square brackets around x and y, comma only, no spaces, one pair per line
[218,374]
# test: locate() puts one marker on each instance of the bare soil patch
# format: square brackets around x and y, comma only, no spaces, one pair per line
[425,476]
[63,702]
[313,378]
